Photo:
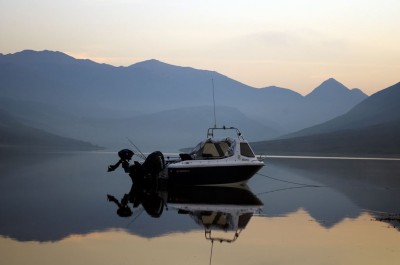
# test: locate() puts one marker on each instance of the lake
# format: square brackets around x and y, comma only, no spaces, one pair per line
[54,210]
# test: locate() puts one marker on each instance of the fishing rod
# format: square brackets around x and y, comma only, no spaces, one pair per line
[138,214]
[141,155]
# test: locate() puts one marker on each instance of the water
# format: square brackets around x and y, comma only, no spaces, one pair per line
[54,210]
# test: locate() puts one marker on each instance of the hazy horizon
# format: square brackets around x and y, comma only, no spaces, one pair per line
[291,44]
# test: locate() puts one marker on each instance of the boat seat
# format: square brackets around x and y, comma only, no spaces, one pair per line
[185,157]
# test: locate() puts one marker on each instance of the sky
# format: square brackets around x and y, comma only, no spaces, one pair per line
[287,43]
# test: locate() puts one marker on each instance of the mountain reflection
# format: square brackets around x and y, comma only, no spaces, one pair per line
[347,188]
[226,209]
[392,219]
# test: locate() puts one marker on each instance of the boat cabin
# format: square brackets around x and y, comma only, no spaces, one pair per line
[220,148]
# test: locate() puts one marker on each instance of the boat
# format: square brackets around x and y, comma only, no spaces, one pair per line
[215,161]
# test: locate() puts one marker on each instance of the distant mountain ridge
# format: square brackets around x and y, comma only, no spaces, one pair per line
[15,135]
[88,90]
[379,108]
[331,88]
[370,128]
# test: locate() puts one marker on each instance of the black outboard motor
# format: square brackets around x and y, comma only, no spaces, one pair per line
[148,172]
[154,163]
[125,156]
[144,183]
[150,168]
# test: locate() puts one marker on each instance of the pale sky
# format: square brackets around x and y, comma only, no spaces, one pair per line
[287,43]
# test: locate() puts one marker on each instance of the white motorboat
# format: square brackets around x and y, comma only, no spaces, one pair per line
[215,161]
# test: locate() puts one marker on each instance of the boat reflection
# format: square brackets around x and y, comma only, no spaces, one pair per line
[222,211]
[216,208]
[145,195]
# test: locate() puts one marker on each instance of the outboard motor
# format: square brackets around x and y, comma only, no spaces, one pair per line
[125,156]
[144,183]
[154,163]
[150,168]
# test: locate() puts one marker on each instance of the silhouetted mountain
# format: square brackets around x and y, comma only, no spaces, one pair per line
[331,99]
[80,90]
[171,130]
[13,134]
[380,108]
[370,128]
[377,140]
[180,127]
[330,90]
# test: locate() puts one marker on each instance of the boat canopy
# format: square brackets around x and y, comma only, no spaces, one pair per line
[219,148]
[214,148]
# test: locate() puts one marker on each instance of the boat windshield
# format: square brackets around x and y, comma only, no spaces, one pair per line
[214,149]
[245,150]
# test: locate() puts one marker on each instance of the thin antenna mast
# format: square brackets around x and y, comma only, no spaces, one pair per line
[211,253]
[215,116]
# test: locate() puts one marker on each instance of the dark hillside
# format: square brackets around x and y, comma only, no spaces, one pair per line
[378,140]
[371,128]
[15,135]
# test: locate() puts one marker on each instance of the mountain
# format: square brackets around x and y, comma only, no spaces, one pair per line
[374,141]
[379,108]
[170,130]
[72,94]
[15,135]
[333,91]
[332,95]
[331,99]
[79,85]
[180,127]
[370,128]
[83,85]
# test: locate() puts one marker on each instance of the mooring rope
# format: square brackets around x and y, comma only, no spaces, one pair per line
[290,182]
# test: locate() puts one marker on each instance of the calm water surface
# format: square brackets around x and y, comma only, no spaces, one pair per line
[54,210]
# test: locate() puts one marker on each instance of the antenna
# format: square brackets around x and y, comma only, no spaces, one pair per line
[215,116]
[211,253]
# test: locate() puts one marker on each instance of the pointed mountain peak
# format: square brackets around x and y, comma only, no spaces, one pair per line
[329,88]
[151,63]
[331,84]
[331,81]
[359,92]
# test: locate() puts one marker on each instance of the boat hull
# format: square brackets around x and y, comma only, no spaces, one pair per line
[211,175]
